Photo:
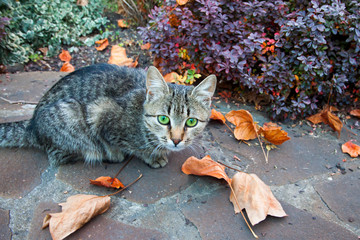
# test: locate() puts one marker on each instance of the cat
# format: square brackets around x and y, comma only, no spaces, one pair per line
[105,112]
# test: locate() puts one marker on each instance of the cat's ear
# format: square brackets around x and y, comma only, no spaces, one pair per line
[155,84]
[205,90]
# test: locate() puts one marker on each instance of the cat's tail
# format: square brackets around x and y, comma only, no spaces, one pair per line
[14,134]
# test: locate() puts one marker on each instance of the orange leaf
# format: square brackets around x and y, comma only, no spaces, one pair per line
[102,44]
[64,56]
[182,2]
[67,67]
[215,115]
[171,77]
[76,211]
[205,167]
[355,113]
[145,46]
[107,182]
[255,196]
[123,24]
[245,127]
[118,56]
[326,116]
[316,118]
[352,149]
[273,133]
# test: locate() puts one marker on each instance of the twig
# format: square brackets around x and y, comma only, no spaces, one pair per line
[18,102]
[238,205]
[236,158]
[122,168]
[229,167]
[112,194]
[262,148]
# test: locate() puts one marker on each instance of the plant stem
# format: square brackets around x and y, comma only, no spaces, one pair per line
[229,167]
[238,205]
[262,148]
[112,194]
[122,168]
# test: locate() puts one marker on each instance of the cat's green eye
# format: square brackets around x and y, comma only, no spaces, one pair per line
[191,122]
[163,119]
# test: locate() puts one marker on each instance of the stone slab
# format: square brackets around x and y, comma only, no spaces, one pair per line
[98,228]
[154,185]
[20,171]
[342,196]
[214,217]
[5,232]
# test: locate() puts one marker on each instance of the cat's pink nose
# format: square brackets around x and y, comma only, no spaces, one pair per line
[176,141]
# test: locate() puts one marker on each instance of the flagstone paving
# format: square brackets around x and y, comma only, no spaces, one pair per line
[317,184]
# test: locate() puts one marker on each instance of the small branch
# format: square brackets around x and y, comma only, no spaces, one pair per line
[236,158]
[18,102]
[122,168]
[229,167]
[112,194]
[262,148]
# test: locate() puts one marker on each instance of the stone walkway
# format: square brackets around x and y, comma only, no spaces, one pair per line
[317,185]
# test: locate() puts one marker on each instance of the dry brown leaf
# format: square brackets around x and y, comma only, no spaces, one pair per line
[102,44]
[205,167]
[326,116]
[273,133]
[44,50]
[65,56]
[316,118]
[67,67]
[122,23]
[255,196]
[182,2]
[351,148]
[245,127]
[118,56]
[355,113]
[107,182]
[171,77]
[215,115]
[76,211]
[145,46]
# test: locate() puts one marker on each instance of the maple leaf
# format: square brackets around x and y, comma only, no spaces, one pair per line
[102,44]
[122,23]
[215,115]
[205,167]
[245,128]
[255,196]
[76,211]
[352,149]
[145,46]
[273,133]
[65,56]
[326,116]
[118,56]
[67,67]
[355,113]
[107,182]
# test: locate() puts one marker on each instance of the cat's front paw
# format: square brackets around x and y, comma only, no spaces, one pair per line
[159,163]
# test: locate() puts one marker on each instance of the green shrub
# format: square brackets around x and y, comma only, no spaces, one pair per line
[42,23]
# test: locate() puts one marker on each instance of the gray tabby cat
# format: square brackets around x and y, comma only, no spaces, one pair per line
[103,112]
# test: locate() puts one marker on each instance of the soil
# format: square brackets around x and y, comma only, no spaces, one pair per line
[85,56]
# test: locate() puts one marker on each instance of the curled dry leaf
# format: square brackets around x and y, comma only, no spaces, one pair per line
[245,128]
[205,167]
[326,116]
[67,67]
[255,196]
[65,56]
[102,44]
[145,46]
[273,133]
[215,115]
[355,113]
[107,182]
[76,211]
[352,149]
[119,57]
[122,23]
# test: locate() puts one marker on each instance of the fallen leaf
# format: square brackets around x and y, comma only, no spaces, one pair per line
[326,116]
[44,50]
[118,56]
[352,149]
[102,44]
[123,24]
[355,113]
[171,77]
[107,182]
[145,46]
[273,133]
[205,167]
[67,67]
[245,128]
[255,196]
[215,115]
[64,56]
[182,2]
[76,211]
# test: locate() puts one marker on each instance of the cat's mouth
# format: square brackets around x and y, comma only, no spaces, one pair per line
[174,147]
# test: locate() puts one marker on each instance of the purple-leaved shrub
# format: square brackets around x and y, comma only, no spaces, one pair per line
[296,52]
